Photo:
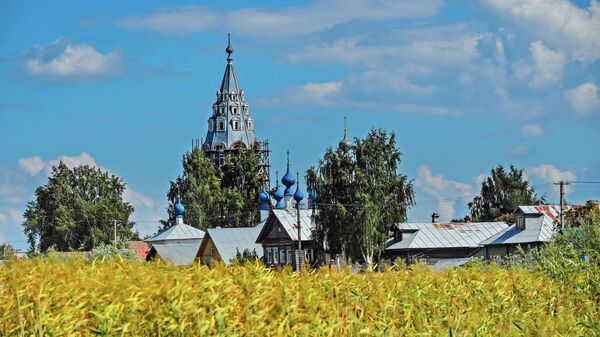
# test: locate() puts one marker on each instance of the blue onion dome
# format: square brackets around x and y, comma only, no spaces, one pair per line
[288,179]
[179,209]
[298,196]
[263,196]
[278,194]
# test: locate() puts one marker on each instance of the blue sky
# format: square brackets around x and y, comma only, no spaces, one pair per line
[464,85]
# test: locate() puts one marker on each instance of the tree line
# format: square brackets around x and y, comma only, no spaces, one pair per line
[361,193]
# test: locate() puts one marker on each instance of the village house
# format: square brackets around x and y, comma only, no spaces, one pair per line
[434,241]
[534,226]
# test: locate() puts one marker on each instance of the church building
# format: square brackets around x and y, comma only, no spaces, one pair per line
[231,127]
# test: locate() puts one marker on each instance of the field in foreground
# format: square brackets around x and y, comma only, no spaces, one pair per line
[118,298]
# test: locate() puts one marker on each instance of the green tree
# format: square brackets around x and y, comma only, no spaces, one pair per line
[76,210]
[212,196]
[199,189]
[501,193]
[583,229]
[362,195]
[6,251]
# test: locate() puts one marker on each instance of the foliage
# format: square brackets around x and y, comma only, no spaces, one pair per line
[212,196]
[111,251]
[362,194]
[76,210]
[247,256]
[6,251]
[120,298]
[501,193]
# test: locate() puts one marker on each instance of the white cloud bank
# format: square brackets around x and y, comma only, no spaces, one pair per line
[584,98]
[62,60]
[559,23]
[279,22]
[548,174]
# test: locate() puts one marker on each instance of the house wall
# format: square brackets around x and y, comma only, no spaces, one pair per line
[494,251]
[208,252]
[440,253]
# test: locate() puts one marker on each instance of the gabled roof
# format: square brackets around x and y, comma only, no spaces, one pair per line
[181,253]
[539,230]
[228,241]
[178,232]
[288,219]
[428,235]
[550,211]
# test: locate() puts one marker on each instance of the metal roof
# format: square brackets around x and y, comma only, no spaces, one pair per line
[550,211]
[178,252]
[444,235]
[228,241]
[288,218]
[541,230]
[178,232]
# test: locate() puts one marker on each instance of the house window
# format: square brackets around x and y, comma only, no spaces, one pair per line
[212,251]
[282,256]
[520,222]
[269,255]
[289,256]
[275,255]
[308,254]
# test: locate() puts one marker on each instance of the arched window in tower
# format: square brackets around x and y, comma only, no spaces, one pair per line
[218,95]
[250,125]
[235,124]
[220,147]
[222,109]
[242,96]
[234,110]
[245,109]
[233,96]
[211,124]
[221,124]
[215,108]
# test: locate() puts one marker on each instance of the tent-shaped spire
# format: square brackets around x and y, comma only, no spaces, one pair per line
[230,81]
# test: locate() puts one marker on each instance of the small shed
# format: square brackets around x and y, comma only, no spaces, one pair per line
[177,245]
[222,244]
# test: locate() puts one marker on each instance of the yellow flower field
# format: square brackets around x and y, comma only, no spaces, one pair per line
[119,298]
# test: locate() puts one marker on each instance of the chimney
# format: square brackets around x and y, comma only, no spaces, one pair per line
[435,218]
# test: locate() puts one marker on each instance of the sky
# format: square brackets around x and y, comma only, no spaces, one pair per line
[464,85]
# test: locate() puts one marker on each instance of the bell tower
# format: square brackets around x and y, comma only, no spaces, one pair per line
[230,126]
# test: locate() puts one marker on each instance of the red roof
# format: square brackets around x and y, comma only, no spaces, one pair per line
[141,248]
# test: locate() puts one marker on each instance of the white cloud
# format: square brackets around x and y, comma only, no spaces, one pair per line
[320,94]
[183,20]
[73,161]
[279,22]
[61,60]
[32,165]
[444,191]
[3,217]
[478,180]
[137,198]
[546,66]
[584,98]
[15,215]
[558,22]
[519,150]
[531,131]
[549,174]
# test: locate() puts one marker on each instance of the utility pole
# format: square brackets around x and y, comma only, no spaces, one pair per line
[561,185]
[300,257]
